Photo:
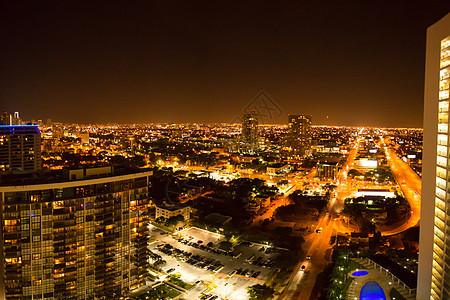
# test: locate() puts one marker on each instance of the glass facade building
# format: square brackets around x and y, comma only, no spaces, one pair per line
[83,239]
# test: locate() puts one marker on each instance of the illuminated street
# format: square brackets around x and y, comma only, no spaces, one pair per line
[411,186]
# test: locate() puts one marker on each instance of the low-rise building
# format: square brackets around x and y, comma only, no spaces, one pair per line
[327,170]
[278,168]
[166,211]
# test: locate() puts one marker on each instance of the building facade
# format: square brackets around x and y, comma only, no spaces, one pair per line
[168,211]
[6,118]
[327,170]
[250,132]
[82,239]
[434,253]
[20,148]
[299,135]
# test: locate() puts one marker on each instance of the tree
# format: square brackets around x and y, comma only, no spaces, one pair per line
[353,172]
[160,220]
[260,292]
[173,221]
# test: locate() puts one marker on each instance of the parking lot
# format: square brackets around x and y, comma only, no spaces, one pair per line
[195,254]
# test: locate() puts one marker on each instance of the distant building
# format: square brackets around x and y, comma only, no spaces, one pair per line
[375,192]
[167,211]
[434,249]
[278,169]
[299,135]
[218,219]
[84,138]
[57,130]
[250,132]
[20,148]
[327,170]
[366,163]
[16,119]
[361,239]
[6,118]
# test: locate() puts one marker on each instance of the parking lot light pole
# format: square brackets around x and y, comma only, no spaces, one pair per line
[226,290]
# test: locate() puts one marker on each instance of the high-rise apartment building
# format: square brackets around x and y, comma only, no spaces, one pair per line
[250,132]
[75,239]
[5,118]
[299,135]
[434,254]
[20,148]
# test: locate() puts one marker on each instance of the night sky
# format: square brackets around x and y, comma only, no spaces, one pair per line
[357,62]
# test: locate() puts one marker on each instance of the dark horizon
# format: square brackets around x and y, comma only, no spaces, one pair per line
[351,64]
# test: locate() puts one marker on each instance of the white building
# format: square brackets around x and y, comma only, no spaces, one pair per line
[167,211]
[434,254]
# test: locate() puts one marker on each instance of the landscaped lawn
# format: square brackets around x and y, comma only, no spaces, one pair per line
[161,292]
[174,279]
[355,265]
[396,295]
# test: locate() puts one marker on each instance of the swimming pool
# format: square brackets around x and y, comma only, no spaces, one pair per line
[372,291]
[360,273]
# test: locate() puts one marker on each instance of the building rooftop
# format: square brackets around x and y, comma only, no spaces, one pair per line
[171,207]
[63,175]
[409,278]
[19,129]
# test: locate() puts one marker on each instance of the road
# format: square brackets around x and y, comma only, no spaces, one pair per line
[301,284]
[411,186]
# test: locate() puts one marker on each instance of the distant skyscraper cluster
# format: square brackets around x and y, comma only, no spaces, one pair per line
[10,119]
[299,135]
[434,254]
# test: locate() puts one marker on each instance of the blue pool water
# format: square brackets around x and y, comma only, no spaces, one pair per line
[360,273]
[372,291]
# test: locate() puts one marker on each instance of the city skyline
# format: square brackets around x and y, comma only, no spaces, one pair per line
[159,63]
[255,150]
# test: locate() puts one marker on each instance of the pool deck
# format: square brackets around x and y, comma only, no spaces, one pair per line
[379,277]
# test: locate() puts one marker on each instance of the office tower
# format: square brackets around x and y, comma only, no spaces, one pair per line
[250,132]
[75,239]
[57,130]
[132,143]
[84,138]
[48,122]
[16,119]
[20,148]
[434,252]
[6,118]
[299,135]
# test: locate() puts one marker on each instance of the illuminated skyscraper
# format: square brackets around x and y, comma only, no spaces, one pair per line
[434,254]
[20,148]
[250,132]
[299,135]
[6,118]
[16,119]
